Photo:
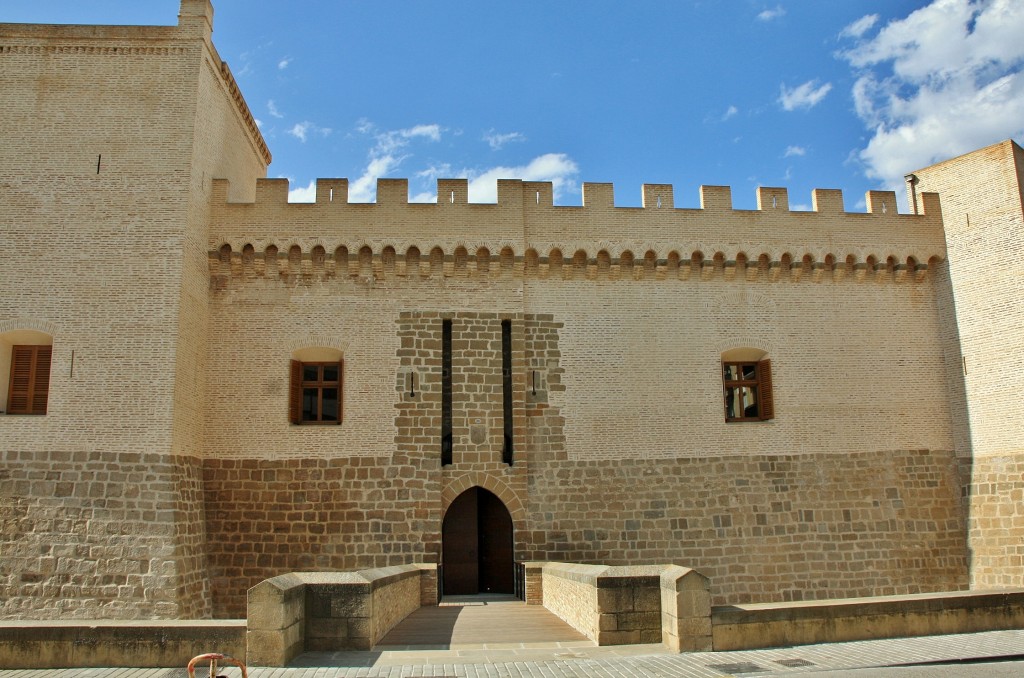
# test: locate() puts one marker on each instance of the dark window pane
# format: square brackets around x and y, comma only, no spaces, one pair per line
[310,396]
[310,373]
[750,401]
[329,403]
[732,372]
[330,373]
[731,402]
[750,371]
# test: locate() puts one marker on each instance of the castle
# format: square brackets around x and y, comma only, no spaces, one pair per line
[204,386]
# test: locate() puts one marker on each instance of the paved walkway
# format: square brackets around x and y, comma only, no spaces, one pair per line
[479,621]
[552,660]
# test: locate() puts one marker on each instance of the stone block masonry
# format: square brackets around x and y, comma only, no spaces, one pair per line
[266,518]
[104,643]
[632,604]
[92,535]
[875,524]
[744,627]
[321,612]
[755,525]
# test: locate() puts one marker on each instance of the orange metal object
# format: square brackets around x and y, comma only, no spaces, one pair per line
[213,658]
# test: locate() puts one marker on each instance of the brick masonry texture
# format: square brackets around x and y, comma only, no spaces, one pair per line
[984,322]
[165,478]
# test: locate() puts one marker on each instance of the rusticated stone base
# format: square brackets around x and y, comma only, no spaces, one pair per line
[762,528]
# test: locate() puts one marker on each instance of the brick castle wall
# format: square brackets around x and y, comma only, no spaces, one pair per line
[622,454]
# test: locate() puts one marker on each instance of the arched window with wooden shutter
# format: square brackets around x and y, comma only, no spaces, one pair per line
[747,385]
[29,387]
[316,387]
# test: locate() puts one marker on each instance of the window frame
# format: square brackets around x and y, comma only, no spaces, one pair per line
[36,396]
[762,382]
[297,386]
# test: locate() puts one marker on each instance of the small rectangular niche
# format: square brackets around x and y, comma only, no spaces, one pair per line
[536,385]
[410,385]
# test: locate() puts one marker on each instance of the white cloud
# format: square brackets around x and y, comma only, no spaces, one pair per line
[364,189]
[943,81]
[392,140]
[393,147]
[558,168]
[272,109]
[435,172]
[388,152]
[807,95]
[432,132]
[283,63]
[794,150]
[497,141]
[299,131]
[300,194]
[770,14]
[859,27]
[730,112]
[364,126]
[302,130]
[259,123]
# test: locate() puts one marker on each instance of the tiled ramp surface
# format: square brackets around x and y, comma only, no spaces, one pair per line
[480,621]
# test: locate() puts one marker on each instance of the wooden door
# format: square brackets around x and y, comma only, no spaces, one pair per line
[476,545]
[497,567]
[460,552]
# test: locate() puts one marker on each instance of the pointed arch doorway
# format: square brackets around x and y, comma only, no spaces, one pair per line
[476,545]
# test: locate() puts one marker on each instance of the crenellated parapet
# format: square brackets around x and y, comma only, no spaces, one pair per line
[525,234]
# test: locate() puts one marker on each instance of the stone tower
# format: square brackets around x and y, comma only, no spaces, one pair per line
[110,140]
[984,321]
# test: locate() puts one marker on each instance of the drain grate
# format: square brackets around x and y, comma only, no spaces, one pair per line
[794,663]
[741,667]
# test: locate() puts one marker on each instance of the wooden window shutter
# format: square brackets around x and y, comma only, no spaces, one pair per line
[764,374]
[341,390]
[21,380]
[30,379]
[295,393]
[41,383]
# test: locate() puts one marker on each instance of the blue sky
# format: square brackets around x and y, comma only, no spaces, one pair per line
[804,94]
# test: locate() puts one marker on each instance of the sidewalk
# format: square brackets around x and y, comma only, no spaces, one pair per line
[583,659]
